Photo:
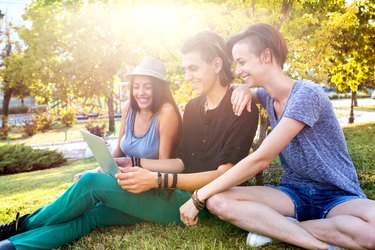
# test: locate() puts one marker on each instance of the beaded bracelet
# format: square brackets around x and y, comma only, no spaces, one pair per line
[137,161]
[165,180]
[197,203]
[159,182]
[173,187]
[174,182]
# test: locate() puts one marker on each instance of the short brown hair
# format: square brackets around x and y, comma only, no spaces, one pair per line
[210,45]
[262,36]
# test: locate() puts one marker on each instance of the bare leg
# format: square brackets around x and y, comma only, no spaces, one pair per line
[349,225]
[262,210]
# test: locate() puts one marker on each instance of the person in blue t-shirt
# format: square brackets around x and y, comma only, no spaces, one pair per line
[320,189]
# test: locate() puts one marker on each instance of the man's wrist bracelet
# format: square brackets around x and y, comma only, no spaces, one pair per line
[197,203]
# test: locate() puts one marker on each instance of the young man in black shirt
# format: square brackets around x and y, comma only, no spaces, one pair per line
[213,138]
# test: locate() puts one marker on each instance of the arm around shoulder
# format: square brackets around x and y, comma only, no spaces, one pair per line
[243,97]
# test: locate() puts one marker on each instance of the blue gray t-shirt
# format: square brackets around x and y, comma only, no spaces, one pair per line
[317,156]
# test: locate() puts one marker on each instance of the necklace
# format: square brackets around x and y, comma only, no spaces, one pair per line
[206,108]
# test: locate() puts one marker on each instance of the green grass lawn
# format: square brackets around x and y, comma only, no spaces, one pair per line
[28,191]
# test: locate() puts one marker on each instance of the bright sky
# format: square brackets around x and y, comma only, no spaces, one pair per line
[13,9]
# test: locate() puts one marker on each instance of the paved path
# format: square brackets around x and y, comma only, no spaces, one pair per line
[359,115]
[74,149]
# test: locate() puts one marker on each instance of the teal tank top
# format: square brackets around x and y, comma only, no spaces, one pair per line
[146,146]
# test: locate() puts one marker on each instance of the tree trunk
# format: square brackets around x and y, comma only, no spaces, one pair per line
[355,99]
[253,8]
[263,130]
[111,113]
[284,13]
[6,101]
[351,117]
[4,118]
[250,12]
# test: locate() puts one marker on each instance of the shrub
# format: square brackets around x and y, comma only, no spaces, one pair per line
[30,127]
[43,121]
[20,158]
[97,130]
[68,117]
[22,109]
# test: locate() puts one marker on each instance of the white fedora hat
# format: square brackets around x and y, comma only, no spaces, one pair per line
[149,66]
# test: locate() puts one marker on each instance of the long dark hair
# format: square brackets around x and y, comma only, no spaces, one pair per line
[161,94]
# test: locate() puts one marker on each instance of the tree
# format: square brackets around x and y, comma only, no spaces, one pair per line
[354,58]
[11,73]
[75,49]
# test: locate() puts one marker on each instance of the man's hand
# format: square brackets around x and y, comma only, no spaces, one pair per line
[123,162]
[136,180]
[241,98]
[189,213]
[79,175]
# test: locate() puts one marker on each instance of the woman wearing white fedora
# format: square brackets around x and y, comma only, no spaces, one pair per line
[150,127]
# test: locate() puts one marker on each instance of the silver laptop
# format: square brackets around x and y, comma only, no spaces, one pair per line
[101,153]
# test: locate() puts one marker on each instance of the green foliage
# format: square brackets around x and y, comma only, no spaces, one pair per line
[95,129]
[184,94]
[11,71]
[77,50]
[68,117]
[20,158]
[353,60]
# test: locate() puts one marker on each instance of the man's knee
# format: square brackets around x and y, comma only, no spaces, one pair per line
[220,205]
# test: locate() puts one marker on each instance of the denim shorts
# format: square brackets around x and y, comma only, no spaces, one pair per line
[314,203]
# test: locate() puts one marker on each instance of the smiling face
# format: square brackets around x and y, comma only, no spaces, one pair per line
[202,75]
[249,66]
[142,89]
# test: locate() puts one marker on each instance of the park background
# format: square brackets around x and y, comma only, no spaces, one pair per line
[62,68]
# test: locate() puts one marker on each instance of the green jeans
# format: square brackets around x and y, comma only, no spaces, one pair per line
[95,200]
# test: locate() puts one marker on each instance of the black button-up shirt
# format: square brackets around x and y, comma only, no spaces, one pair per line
[215,137]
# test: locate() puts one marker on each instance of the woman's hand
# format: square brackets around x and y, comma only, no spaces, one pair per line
[136,180]
[95,170]
[241,98]
[123,162]
[189,213]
